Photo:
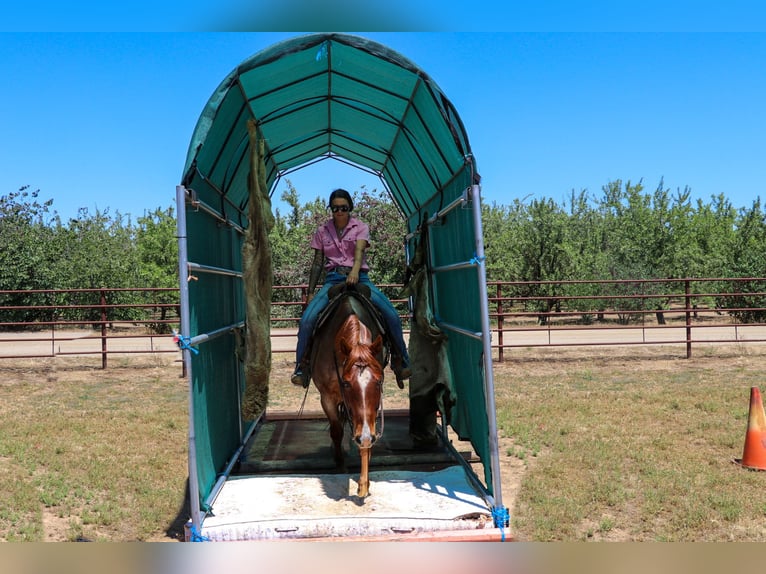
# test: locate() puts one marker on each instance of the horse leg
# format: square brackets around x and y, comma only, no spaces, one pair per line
[364,473]
[336,433]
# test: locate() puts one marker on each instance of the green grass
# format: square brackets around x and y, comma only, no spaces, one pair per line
[84,452]
[641,452]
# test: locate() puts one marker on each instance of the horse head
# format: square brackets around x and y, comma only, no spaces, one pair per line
[360,372]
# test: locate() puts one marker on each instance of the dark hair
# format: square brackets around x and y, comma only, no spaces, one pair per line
[341,194]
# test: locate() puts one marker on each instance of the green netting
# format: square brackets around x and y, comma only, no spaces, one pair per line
[334,97]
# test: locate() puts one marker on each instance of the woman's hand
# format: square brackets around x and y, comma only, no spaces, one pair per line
[353,277]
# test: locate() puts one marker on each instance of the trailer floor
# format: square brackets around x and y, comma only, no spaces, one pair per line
[285,443]
[285,487]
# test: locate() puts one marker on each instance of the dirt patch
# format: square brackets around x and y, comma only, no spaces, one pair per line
[55,528]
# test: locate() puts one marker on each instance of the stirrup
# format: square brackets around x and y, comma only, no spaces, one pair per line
[300,379]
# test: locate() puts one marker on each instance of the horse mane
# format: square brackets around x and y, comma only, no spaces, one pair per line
[349,342]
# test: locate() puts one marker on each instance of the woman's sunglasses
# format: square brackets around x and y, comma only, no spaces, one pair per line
[337,208]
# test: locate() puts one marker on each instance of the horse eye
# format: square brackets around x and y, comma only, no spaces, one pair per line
[345,384]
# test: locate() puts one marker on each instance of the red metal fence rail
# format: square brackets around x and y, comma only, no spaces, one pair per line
[39,323]
[683,311]
[523,314]
[629,312]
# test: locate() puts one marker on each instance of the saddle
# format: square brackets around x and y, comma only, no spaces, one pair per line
[360,293]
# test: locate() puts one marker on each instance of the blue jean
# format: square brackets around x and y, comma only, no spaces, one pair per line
[321,300]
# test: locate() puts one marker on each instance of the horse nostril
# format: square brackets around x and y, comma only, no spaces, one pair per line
[373,439]
[358,440]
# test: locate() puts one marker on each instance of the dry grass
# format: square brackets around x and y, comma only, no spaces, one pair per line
[633,444]
[88,453]
[597,444]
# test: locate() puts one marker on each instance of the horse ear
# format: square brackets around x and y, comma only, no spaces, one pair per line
[377,345]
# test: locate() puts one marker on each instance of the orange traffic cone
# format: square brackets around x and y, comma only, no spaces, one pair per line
[754,455]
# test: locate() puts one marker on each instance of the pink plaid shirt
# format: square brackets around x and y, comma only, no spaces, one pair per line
[339,251]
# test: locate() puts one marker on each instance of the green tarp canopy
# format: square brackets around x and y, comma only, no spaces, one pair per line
[329,96]
[346,98]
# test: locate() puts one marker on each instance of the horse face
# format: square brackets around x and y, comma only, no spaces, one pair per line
[362,380]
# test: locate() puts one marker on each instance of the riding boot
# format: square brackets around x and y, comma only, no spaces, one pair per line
[301,376]
[402,373]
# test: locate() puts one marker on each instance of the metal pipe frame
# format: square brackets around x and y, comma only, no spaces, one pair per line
[230,465]
[214,213]
[489,380]
[472,334]
[457,202]
[183,276]
[454,266]
[206,337]
[214,270]
[473,194]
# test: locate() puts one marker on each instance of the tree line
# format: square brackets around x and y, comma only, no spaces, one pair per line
[623,232]
[627,232]
[40,251]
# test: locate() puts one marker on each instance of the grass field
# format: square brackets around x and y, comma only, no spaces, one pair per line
[622,444]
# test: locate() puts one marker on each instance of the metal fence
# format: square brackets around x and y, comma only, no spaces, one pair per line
[677,312]
[680,312]
[39,323]
[629,312]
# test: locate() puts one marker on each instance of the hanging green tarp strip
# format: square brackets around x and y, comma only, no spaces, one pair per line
[257,276]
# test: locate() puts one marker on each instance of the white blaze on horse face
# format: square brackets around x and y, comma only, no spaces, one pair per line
[365,380]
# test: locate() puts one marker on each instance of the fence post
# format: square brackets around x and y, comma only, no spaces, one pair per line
[688,304]
[103,329]
[500,354]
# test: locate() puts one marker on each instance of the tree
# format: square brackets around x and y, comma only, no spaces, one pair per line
[99,251]
[387,228]
[28,254]
[502,225]
[748,260]
[585,246]
[157,250]
[543,255]
[290,238]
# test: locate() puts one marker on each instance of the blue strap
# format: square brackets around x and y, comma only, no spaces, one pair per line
[502,518]
[476,260]
[196,536]
[185,343]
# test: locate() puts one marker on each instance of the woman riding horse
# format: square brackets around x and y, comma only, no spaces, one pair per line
[339,245]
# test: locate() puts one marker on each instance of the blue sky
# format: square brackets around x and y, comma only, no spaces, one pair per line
[103,120]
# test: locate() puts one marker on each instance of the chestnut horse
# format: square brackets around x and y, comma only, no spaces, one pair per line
[347,367]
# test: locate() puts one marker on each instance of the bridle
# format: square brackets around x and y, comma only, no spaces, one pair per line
[349,412]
